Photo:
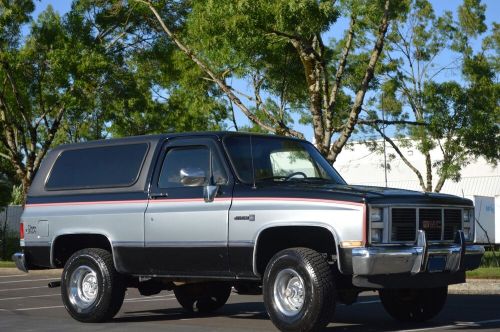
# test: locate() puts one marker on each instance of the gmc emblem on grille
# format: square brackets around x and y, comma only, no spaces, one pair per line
[431,224]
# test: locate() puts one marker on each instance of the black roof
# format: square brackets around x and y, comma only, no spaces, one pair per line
[159,137]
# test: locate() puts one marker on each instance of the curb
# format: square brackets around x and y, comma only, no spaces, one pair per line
[477,287]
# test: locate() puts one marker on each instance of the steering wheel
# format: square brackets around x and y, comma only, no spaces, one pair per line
[290,176]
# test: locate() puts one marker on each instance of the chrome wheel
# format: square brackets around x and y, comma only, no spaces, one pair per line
[289,292]
[83,287]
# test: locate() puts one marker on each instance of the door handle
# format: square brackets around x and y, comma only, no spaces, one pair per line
[158,195]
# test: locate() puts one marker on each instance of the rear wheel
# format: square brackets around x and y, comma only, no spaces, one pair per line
[91,289]
[203,297]
[414,305]
[299,292]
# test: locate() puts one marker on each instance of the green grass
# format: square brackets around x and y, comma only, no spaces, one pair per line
[489,259]
[7,264]
[485,273]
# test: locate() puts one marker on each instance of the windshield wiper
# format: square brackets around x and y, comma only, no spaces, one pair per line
[314,179]
[276,177]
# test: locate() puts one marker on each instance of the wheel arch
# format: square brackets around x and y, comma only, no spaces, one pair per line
[303,228]
[66,244]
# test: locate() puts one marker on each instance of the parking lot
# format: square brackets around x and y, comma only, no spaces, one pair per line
[26,303]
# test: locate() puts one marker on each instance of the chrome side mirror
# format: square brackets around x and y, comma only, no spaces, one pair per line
[192,177]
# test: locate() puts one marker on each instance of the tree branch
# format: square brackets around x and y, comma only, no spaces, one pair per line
[390,122]
[340,73]
[337,146]
[222,85]
[401,155]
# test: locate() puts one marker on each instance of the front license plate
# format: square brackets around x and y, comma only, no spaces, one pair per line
[436,264]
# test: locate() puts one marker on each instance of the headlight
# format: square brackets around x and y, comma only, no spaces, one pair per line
[466,216]
[377,235]
[467,233]
[376,225]
[468,224]
[376,214]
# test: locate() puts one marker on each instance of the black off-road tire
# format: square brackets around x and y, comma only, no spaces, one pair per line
[110,286]
[319,295]
[203,297]
[414,305]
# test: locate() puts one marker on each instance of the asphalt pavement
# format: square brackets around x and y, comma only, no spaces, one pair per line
[27,304]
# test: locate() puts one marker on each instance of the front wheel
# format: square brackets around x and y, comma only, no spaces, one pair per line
[299,292]
[414,305]
[91,289]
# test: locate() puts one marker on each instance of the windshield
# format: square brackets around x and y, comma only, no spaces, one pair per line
[278,159]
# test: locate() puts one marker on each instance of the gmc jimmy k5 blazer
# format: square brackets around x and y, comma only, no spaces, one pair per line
[199,213]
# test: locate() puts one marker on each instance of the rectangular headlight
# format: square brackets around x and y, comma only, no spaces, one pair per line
[376,214]
[468,224]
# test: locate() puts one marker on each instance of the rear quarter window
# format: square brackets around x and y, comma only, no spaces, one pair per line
[97,167]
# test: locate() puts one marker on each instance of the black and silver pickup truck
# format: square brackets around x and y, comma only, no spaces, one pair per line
[200,213]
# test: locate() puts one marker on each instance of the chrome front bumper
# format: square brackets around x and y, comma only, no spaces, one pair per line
[421,257]
[20,261]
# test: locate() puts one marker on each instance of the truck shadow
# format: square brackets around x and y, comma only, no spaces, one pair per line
[470,312]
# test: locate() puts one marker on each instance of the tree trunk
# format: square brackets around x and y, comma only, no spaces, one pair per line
[339,144]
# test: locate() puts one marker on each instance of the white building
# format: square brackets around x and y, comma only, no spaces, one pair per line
[358,165]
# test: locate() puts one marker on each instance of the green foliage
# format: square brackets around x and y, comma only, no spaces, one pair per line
[83,76]
[17,195]
[461,116]
[13,14]
[471,17]
[491,259]
[9,246]
[5,191]
[484,273]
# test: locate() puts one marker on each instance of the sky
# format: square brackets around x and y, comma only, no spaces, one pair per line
[492,15]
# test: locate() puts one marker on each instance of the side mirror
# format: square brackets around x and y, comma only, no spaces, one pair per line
[192,177]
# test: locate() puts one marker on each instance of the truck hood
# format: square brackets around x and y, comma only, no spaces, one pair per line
[368,194]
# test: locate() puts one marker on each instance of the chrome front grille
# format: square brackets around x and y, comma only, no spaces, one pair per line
[403,224]
[439,224]
[430,221]
[453,223]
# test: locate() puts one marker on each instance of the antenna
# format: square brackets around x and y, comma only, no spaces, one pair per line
[383,138]
[253,168]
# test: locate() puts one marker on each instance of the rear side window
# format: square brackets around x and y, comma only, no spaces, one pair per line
[97,167]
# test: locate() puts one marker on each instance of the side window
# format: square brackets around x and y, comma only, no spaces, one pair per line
[182,161]
[190,167]
[97,167]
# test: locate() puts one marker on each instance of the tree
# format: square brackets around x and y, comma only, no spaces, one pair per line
[460,118]
[75,78]
[278,48]
[157,93]
[42,80]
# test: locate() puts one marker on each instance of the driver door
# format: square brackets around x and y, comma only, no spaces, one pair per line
[186,233]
